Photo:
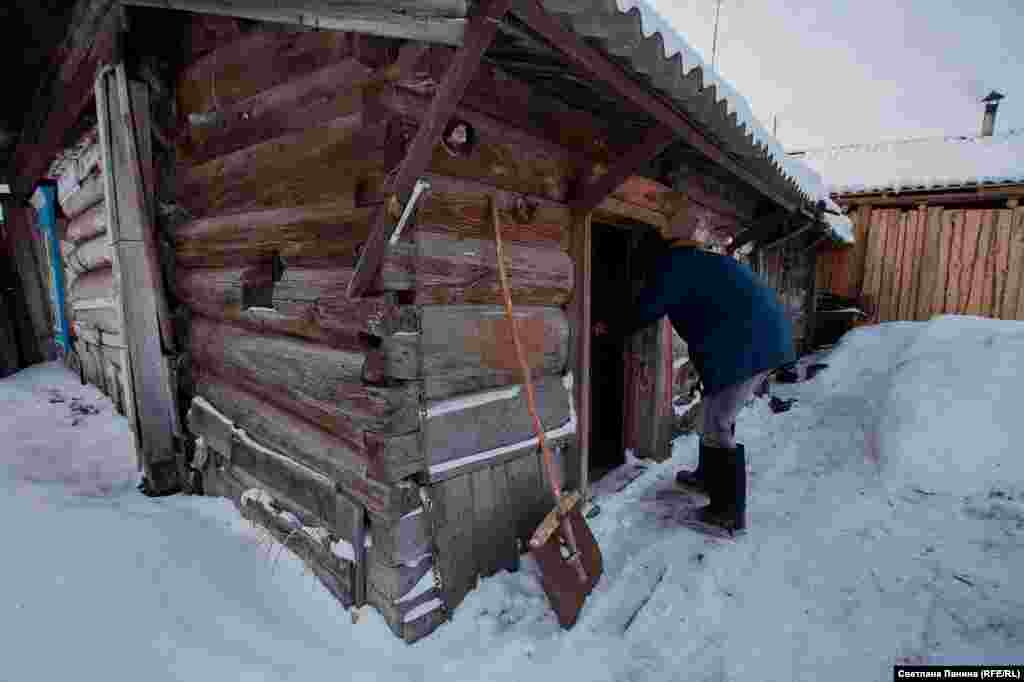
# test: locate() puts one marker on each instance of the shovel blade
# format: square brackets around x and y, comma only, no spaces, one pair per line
[565,584]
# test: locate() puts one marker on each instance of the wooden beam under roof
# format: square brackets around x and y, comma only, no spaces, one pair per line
[533,14]
[591,194]
[433,21]
[479,34]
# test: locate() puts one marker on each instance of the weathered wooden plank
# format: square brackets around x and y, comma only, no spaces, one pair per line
[306,302]
[906,265]
[970,259]
[446,271]
[476,423]
[930,277]
[532,500]
[459,207]
[257,62]
[90,223]
[396,613]
[93,334]
[89,255]
[876,262]
[983,279]
[330,229]
[1013,301]
[1003,231]
[465,349]
[131,233]
[301,487]
[858,259]
[310,167]
[485,510]
[300,476]
[322,384]
[455,540]
[293,436]
[96,284]
[290,107]
[956,264]
[894,266]
[503,527]
[949,221]
[90,193]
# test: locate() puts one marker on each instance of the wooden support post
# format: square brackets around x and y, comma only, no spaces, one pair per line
[601,68]
[578,465]
[595,191]
[479,35]
[131,235]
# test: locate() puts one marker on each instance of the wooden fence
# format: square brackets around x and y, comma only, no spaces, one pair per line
[913,264]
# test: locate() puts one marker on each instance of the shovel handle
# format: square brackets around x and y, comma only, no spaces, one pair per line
[531,401]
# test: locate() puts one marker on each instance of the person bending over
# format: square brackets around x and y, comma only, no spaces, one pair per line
[737,333]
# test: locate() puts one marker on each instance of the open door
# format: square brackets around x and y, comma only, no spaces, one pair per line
[611,293]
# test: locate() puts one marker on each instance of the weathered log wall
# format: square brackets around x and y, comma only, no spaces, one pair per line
[91,293]
[334,406]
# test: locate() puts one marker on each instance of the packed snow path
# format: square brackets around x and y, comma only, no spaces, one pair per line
[886,524]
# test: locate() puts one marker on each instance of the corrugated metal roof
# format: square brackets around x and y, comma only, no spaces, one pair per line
[921,164]
[633,31]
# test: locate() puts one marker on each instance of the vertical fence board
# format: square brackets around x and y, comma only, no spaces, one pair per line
[1013,302]
[955,256]
[985,280]
[1001,250]
[916,264]
[873,283]
[858,266]
[930,263]
[891,263]
[908,225]
[970,259]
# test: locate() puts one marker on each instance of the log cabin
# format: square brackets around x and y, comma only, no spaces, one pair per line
[286,234]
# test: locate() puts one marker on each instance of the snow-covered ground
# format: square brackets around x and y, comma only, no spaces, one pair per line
[886,514]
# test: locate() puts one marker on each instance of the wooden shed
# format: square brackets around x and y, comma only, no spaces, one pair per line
[938,222]
[302,268]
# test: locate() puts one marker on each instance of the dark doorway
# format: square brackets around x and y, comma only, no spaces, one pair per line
[610,296]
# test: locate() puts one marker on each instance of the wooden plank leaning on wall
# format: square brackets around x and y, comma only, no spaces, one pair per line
[131,233]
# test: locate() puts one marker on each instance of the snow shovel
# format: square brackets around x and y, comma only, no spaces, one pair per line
[562,545]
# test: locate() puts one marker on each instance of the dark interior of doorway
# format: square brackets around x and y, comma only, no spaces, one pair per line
[610,296]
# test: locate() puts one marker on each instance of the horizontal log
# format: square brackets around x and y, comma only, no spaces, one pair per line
[389,460]
[314,166]
[332,229]
[322,384]
[479,422]
[89,224]
[442,270]
[291,107]
[96,284]
[89,194]
[293,477]
[460,208]
[93,254]
[465,349]
[502,155]
[257,62]
[306,302]
[333,572]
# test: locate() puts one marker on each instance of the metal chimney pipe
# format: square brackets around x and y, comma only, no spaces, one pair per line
[988,124]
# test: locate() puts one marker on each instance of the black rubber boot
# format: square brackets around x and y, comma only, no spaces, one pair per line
[696,480]
[727,487]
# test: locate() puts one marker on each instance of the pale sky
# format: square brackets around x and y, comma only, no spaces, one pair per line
[867,70]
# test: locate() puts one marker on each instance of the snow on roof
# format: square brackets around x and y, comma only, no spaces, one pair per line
[688,60]
[921,164]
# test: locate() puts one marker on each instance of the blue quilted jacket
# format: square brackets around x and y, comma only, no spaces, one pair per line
[732,322]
